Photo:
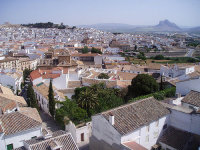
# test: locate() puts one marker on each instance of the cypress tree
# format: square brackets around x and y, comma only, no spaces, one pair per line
[32,101]
[51,100]
[161,83]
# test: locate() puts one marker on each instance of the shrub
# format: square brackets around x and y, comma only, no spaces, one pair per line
[103,76]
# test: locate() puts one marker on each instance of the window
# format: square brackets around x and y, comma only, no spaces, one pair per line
[147,138]
[82,136]
[157,123]
[148,128]
[10,147]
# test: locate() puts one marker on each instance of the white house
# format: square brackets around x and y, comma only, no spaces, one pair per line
[16,127]
[139,123]
[41,92]
[175,71]
[60,77]
[185,86]
[58,140]
[12,80]
[81,133]
[183,124]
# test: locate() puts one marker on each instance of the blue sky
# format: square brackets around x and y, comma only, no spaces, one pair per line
[81,12]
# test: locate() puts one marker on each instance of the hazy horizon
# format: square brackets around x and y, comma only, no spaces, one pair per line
[184,13]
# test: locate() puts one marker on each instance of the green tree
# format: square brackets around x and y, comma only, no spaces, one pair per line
[85,50]
[32,101]
[141,56]
[103,76]
[159,57]
[135,48]
[102,98]
[87,100]
[95,50]
[142,84]
[26,73]
[161,83]
[51,100]
[71,110]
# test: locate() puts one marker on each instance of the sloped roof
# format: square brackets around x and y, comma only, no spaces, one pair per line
[6,104]
[19,99]
[134,146]
[12,123]
[35,74]
[31,112]
[59,138]
[5,90]
[132,116]
[179,139]
[193,98]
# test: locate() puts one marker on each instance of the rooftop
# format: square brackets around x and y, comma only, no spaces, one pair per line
[132,116]
[193,98]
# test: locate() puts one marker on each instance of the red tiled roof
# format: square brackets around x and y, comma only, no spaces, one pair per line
[35,74]
[134,146]
[50,76]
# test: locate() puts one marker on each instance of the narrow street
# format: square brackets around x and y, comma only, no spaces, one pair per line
[48,122]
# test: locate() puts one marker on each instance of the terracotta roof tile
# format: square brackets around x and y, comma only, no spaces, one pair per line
[134,146]
[179,139]
[35,74]
[59,138]
[193,98]
[16,122]
[131,116]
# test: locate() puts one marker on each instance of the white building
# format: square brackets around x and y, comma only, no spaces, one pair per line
[137,124]
[60,77]
[175,71]
[16,127]
[41,92]
[12,80]
[185,86]
[93,58]
[80,133]
[58,140]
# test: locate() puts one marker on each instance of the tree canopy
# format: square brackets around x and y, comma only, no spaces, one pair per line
[141,56]
[159,57]
[88,101]
[26,73]
[71,110]
[95,50]
[85,50]
[103,76]
[142,84]
[45,25]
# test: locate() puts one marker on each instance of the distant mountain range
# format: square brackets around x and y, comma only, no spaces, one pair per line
[163,26]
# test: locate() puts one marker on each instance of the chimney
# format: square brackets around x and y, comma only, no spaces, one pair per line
[111,119]
[178,95]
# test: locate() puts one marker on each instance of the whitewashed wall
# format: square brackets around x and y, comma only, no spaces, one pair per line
[103,130]
[184,87]
[98,60]
[76,132]
[185,121]
[17,139]
[140,135]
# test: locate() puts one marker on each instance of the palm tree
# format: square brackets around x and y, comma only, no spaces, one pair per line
[87,100]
